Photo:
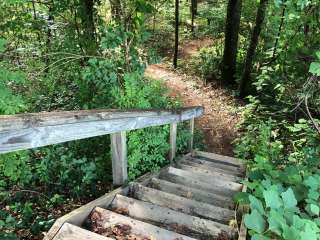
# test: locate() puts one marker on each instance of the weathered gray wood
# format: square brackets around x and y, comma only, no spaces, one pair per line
[137,227]
[220,158]
[178,203]
[204,186]
[209,173]
[79,215]
[192,193]
[27,131]
[222,183]
[173,141]
[198,163]
[192,134]
[243,209]
[119,158]
[71,232]
[219,165]
[146,211]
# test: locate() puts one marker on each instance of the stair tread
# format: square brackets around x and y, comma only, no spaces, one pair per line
[201,164]
[222,183]
[210,173]
[138,228]
[219,158]
[174,220]
[217,165]
[192,193]
[71,232]
[191,200]
[196,184]
[188,206]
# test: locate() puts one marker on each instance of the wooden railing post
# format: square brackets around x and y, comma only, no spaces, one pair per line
[173,141]
[119,158]
[192,133]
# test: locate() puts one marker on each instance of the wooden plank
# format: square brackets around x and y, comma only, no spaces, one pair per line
[182,204]
[243,209]
[198,163]
[222,183]
[209,173]
[172,220]
[110,219]
[192,134]
[207,187]
[173,141]
[119,158]
[27,131]
[220,158]
[219,165]
[71,232]
[79,215]
[192,193]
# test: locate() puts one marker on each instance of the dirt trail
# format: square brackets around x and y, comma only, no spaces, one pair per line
[220,118]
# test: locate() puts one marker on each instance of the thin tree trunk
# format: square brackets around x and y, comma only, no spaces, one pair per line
[194,10]
[116,11]
[279,31]
[49,34]
[246,80]
[176,43]
[88,26]
[231,41]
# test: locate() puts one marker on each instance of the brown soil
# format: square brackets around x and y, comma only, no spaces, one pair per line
[192,47]
[219,121]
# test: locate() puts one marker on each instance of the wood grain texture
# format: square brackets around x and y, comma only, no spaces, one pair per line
[220,158]
[194,183]
[185,205]
[71,232]
[149,212]
[219,182]
[173,141]
[119,158]
[192,193]
[215,168]
[192,134]
[138,227]
[216,164]
[27,131]
[209,173]
[79,215]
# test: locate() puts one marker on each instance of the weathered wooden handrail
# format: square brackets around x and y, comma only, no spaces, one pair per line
[32,130]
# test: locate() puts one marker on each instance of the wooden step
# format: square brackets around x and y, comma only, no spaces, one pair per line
[110,219]
[182,204]
[221,183]
[192,193]
[175,221]
[218,165]
[207,187]
[72,232]
[219,158]
[208,173]
[202,165]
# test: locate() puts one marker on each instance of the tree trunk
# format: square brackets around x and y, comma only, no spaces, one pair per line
[231,41]
[176,43]
[88,26]
[193,10]
[279,31]
[246,80]
[116,11]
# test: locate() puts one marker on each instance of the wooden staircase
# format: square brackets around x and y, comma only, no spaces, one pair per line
[190,199]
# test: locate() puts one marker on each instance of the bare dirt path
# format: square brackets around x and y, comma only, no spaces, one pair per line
[220,118]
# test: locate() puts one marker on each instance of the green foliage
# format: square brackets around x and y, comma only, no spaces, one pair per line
[283,182]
